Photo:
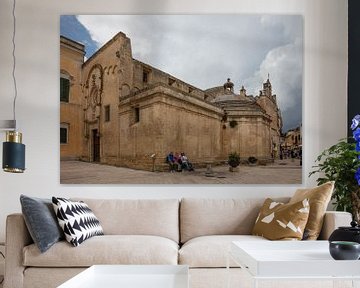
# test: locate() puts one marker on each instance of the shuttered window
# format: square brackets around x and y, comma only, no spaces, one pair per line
[64,89]
[63,136]
[64,133]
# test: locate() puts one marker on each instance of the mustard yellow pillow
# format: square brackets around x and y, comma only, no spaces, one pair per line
[279,221]
[319,198]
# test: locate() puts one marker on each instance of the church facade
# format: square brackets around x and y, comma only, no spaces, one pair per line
[126,113]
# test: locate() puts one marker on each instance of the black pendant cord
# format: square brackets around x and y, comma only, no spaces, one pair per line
[14,61]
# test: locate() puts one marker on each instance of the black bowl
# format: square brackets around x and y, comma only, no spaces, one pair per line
[344,250]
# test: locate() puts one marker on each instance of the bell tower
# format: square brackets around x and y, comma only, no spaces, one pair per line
[267,89]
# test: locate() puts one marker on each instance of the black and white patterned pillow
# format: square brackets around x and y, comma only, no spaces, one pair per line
[77,220]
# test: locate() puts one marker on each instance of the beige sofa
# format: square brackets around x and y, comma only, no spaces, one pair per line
[194,232]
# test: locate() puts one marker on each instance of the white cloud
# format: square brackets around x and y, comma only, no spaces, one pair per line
[284,64]
[204,50]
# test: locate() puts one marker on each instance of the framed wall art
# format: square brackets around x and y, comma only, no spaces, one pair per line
[181,99]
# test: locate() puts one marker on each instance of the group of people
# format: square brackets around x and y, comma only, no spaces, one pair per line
[290,153]
[178,162]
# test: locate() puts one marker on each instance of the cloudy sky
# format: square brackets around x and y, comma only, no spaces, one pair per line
[205,50]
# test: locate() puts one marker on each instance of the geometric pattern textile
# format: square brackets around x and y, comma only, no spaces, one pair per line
[77,220]
[279,221]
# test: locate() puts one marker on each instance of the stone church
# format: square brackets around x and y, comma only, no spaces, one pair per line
[120,111]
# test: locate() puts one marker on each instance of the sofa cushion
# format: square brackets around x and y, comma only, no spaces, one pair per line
[319,198]
[201,217]
[211,251]
[107,249]
[279,221]
[158,217]
[77,220]
[41,221]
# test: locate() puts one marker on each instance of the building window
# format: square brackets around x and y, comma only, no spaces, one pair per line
[107,113]
[64,133]
[137,114]
[145,76]
[64,89]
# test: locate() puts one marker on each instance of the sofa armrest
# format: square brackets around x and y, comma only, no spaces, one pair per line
[17,237]
[333,220]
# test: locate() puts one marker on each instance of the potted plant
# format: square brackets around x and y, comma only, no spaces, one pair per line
[341,163]
[234,161]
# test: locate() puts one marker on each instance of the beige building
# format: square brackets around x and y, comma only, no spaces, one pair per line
[131,114]
[71,120]
[292,143]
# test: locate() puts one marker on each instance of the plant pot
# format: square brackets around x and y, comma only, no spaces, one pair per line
[234,169]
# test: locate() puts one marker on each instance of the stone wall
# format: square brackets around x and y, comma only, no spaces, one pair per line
[268,103]
[169,121]
[155,76]
[250,136]
[105,75]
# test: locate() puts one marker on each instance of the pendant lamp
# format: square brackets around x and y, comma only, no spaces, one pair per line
[13,159]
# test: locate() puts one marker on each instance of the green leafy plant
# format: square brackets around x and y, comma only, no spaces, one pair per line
[234,159]
[339,163]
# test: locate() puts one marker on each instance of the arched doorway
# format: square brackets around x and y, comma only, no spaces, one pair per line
[95,145]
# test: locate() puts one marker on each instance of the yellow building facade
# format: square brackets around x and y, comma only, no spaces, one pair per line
[131,114]
[71,61]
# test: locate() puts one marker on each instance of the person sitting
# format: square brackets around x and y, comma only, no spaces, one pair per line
[185,162]
[178,162]
[170,159]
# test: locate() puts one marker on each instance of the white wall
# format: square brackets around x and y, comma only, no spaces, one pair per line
[324,105]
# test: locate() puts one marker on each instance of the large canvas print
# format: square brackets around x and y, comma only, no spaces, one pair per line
[181,99]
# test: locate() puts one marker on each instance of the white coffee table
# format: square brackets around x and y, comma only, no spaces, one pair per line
[285,260]
[131,276]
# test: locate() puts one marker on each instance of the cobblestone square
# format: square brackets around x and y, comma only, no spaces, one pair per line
[281,172]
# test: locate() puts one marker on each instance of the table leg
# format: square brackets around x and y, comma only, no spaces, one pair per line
[255,283]
[228,270]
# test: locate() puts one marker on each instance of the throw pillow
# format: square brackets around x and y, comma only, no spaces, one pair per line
[41,222]
[77,220]
[319,198]
[279,221]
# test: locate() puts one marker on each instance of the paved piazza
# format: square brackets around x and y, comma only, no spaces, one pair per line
[281,172]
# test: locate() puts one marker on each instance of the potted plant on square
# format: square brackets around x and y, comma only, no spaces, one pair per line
[341,163]
[234,161]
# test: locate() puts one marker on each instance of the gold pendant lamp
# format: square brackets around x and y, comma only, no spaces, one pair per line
[13,158]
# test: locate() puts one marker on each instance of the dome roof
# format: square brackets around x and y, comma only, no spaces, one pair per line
[231,98]
[224,97]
